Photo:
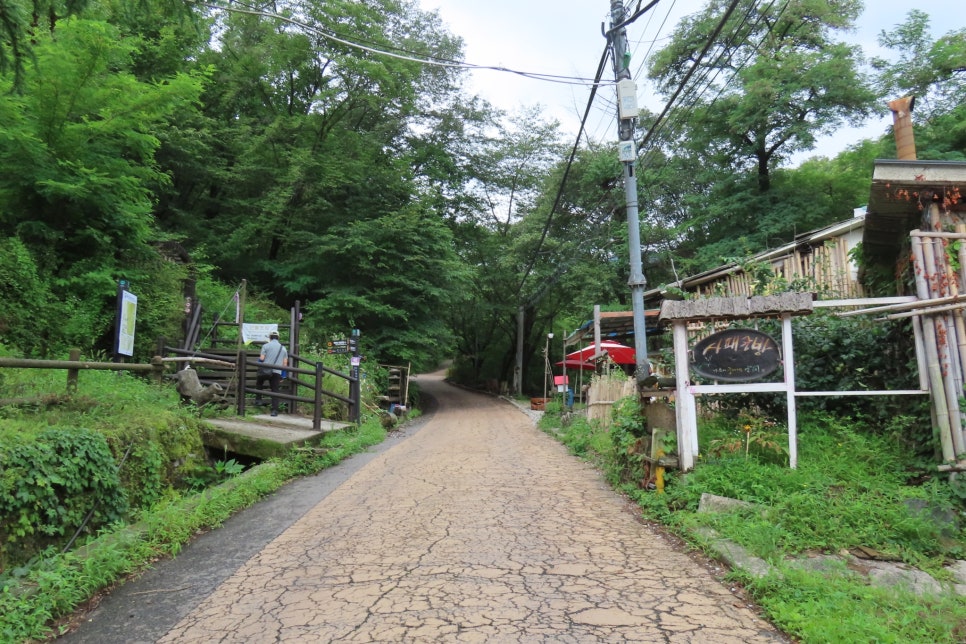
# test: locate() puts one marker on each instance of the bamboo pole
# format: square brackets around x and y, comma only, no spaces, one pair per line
[905,306]
[939,235]
[918,312]
[952,285]
[845,277]
[936,386]
[946,340]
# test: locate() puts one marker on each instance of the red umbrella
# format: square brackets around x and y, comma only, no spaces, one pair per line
[576,364]
[619,353]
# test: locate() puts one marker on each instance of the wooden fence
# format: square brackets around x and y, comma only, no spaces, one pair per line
[236,371]
[603,392]
[74,365]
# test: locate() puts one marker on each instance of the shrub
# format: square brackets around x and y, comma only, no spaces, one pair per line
[50,486]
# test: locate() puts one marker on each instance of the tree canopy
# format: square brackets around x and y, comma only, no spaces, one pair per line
[316,151]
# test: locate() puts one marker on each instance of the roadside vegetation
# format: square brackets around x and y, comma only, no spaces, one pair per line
[186,148]
[98,486]
[856,487]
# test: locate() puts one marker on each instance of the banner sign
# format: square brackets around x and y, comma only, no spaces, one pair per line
[736,355]
[128,319]
[257,332]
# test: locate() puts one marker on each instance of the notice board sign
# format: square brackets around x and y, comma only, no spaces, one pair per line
[736,355]
[127,320]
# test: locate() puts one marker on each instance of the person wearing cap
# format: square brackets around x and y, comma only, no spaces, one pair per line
[274,359]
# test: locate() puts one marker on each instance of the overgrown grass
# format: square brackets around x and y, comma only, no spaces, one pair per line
[157,449]
[56,583]
[852,487]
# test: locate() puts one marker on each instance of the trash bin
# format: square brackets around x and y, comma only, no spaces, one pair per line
[570,397]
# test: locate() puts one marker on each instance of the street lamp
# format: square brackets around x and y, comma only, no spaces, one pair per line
[546,364]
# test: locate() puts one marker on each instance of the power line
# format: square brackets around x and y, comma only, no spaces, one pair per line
[687,76]
[570,161]
[406,54]
[693,94]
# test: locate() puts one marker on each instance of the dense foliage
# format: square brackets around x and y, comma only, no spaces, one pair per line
[33,596]
[304,148]
[51,482]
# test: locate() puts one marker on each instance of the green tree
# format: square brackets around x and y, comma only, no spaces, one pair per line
[23,21]
[391,277]
[510,161]
[934,71]
[77,166]
[774,80]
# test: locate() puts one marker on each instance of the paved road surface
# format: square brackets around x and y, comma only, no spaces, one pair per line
[475,527]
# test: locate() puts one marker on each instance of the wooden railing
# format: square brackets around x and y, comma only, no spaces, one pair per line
[236,371]
[74,365]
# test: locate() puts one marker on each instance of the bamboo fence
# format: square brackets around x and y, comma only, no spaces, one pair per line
[940,276]
[827,265]
[604,391]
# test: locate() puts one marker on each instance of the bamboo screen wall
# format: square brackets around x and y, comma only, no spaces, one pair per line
[826,266]
[604,391]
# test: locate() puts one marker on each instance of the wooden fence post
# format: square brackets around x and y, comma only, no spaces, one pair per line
[158,365]
[317,413]
[72,373]
[241,371]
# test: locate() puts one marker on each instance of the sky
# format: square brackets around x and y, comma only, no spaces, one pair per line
[563,37]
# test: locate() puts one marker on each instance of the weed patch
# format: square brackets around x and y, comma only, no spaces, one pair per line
[853,488]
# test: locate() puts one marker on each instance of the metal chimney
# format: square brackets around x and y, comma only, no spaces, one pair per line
[902,127]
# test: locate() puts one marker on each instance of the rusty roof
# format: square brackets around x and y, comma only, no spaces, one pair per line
[894,201]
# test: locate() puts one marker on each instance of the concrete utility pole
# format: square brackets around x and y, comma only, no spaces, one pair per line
[627,113]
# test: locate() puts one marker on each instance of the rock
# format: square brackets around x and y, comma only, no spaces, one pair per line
[712,503]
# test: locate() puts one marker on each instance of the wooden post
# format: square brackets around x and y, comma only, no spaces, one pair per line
[158,365]
[317,413]
[685,410]
[596,330]
[241,371]
[240,360]
[788,355]
[72,373]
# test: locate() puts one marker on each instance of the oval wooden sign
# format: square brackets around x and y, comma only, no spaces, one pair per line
[736,355]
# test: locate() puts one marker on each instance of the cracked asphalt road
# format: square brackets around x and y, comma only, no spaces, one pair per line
[475,528]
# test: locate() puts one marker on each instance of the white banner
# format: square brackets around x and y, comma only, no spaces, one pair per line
[257,332]
[125,331]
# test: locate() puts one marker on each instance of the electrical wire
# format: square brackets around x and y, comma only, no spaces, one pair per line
[690,72]
[408,55]
[566,174]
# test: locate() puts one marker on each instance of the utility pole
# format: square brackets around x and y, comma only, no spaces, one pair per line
[627,113]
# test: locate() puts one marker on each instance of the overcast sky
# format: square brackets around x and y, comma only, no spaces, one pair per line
[563,37]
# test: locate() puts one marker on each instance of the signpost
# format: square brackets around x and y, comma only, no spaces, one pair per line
[350,346]
[355,385]
[341,346]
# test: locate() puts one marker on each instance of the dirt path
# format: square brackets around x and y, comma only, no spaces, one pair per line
[478,528]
